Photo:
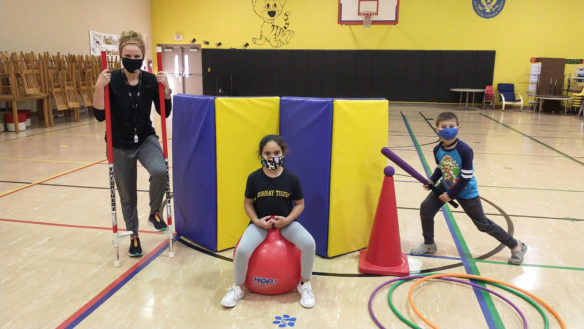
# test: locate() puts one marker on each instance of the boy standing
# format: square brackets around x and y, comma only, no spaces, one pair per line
[454,165]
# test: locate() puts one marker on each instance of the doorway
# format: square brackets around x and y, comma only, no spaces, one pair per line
[183,65]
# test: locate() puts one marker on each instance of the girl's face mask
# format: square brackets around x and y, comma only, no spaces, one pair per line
[273,163]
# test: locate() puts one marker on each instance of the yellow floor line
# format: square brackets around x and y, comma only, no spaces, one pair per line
[43,160]
[49,178]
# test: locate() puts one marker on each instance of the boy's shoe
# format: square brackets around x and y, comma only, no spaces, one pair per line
[424,249]
[157,222]
[135,248]
[517,256]
[233,294]
[306,295]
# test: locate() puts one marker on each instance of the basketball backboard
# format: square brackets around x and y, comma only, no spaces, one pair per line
[351,11]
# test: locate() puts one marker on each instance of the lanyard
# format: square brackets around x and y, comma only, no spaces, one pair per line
[134,100]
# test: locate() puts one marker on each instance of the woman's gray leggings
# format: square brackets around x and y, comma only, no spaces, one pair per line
[254,235]
[125,171]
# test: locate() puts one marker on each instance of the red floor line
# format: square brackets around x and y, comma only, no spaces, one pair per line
[48,179]
[69,225]
[111,286]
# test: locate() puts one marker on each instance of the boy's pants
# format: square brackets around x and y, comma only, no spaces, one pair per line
[473,208]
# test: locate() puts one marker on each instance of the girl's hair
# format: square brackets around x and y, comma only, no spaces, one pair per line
[276,139]
[131,38]
[444,116]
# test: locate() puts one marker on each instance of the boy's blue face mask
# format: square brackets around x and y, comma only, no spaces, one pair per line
[448,133]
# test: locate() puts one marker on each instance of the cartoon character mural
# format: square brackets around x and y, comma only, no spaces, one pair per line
[269,11]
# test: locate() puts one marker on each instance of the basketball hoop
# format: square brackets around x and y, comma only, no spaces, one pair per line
[367,18]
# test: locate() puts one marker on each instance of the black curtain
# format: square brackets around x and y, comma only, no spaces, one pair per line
[398,75]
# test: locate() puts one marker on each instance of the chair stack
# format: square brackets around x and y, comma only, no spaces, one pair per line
[489,97]
[22,79]
[67,80]
[577,99]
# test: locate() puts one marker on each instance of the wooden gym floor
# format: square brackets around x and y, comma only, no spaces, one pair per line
[56,258]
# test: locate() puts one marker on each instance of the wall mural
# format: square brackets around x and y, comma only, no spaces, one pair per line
[269,11]
[98,40]
[274,30]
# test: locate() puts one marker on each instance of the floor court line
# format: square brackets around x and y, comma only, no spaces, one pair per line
[47,179]
[43,133]
[510,215]
[399,181]
[105,228]
[111,289]
[65,185]
[43,160]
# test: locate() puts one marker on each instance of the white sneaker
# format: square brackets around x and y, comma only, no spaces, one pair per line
[233,294]
[306,295]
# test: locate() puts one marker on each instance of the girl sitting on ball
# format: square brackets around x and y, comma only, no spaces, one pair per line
[273,199]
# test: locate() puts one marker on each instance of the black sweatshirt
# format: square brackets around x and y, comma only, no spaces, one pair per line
[131,115]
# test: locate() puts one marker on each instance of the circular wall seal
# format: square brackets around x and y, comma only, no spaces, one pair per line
[488,8]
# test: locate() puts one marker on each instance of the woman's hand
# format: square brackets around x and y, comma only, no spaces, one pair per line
[103,79]
[161,77]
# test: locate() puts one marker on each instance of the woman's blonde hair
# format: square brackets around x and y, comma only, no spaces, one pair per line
[131,38]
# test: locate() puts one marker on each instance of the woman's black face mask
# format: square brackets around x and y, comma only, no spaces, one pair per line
[132,64]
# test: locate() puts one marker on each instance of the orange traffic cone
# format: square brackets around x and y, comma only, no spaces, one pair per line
[384,254]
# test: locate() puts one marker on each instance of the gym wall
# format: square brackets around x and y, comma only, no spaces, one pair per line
[524,29]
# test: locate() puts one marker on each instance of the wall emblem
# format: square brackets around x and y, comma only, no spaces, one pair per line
[488,8]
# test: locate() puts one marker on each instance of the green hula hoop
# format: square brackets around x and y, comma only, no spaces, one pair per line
[412,325]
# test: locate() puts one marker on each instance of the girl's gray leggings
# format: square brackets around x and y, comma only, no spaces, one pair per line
[254,235]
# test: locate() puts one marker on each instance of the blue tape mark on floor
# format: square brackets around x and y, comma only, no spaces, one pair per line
[284,321]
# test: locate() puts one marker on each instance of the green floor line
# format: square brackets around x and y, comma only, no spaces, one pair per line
[532,265]
[466,255]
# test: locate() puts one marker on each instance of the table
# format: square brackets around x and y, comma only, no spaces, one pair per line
[565,99]
[467,91]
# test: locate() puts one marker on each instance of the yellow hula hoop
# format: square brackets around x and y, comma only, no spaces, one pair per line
[468,276]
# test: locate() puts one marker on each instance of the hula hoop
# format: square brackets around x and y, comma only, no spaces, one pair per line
[534,304]
[468,276]
[404,279]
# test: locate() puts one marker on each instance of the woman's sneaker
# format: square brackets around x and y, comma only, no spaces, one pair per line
[135,248]
[424,249]
[306,295]
[517,256]
[157,222]
[234,294]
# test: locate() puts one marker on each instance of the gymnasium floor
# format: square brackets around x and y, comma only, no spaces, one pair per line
[56,258]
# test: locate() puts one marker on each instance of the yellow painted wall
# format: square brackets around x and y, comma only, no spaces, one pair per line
[524,29]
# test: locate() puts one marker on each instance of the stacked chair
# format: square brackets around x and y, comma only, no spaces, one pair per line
[489,97]
[577,101]
[54,81]
[22,79]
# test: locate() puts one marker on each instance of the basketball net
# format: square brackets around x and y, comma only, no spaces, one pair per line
[367,19]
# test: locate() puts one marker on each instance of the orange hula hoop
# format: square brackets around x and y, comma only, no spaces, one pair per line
[468,276]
